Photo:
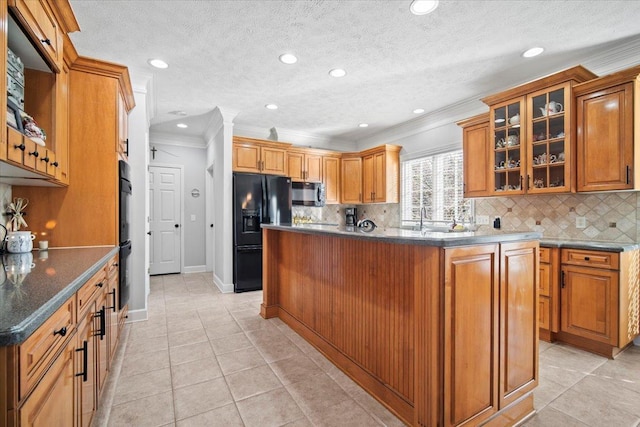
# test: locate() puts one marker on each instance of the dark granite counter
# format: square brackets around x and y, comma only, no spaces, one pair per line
[413,237]
[589,245]
[29,296]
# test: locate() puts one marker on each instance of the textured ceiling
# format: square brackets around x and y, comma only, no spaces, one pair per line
[225,53]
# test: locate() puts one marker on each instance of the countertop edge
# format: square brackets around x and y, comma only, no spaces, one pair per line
[594,246]
[429,239]
[20,332]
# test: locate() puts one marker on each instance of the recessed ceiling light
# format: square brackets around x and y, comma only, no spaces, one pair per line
[423,7]
[178,113]
[182,125]
[288,58]
[271,107]
[534,51]
[363,125]
[158,63]
[337,72]
[418,111]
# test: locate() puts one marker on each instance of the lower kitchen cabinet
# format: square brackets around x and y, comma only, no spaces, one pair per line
[494,288]
[86,374]
[549,292]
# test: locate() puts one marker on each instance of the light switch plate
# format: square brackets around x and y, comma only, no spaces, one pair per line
[482,220]
[581,222]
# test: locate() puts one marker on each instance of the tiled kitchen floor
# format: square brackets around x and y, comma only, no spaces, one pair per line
[208,359]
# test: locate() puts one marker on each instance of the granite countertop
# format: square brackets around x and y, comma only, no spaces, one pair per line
[29,298]
[413,237]
[588,244]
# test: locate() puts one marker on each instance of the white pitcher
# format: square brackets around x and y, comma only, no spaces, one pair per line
[19,241]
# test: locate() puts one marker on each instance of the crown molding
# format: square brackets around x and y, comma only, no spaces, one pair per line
[296,137]
[164,138]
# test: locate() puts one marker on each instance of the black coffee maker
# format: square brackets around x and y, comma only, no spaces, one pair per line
[351,215]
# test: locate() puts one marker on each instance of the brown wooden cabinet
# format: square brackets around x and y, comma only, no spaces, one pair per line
[123,127]
[381,174]
[494,288]
[331,178]
[304,165]
[259,156]
[549,292]
[93,146]
[86,380]
[351,182]
[599,299]
[476,147]
[607,127]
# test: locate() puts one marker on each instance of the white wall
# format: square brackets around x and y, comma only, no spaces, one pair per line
[138,161]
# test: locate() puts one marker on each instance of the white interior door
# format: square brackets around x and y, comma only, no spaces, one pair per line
[165,198]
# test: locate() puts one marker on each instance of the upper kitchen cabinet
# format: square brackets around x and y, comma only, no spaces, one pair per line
[607,129]
[381,174]
[331,178]
[259,156]
[98,91]
[532,138]
[476,146]
[36,54]
[351,182]
[304,165]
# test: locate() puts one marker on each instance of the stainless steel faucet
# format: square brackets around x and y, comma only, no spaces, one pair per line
[423,214]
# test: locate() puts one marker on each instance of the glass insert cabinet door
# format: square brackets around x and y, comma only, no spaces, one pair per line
[507,122]
[548,155]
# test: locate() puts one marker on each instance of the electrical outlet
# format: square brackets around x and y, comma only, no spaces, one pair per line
[581,222]
[482,220]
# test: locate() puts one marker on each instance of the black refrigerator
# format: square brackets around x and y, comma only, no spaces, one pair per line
[257,199]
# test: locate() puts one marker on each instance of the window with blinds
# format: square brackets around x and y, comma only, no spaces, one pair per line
[434,182]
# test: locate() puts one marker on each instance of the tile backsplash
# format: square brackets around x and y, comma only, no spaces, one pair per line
[383,215]
[610,216]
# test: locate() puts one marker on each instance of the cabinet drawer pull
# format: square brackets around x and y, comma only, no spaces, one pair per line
[85,361]
[62,331]
[562,282]
[103,324]
[113,294]
[587,258]
[628,177]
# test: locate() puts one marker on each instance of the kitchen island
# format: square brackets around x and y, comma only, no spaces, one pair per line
[439,327]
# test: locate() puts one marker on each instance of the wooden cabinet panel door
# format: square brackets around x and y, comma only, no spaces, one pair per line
[544,313]
[519,273]
[313,168]
[351,180]
[471,292]
[246,158]
[544,285]
[368,179]
[86,381]
[331,179]
[379,178]
[52,402]
[295,166]
[476,168]
[589,298]
[274,161]
[605,139]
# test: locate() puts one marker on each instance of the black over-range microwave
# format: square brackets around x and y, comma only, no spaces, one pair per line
[308,193]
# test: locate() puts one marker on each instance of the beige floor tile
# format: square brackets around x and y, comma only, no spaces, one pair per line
[190,352]
[302,422]
[375,408]
[550,417]
[222,329]
[316,393]
[202,397]
[134,364]
[183,325]
[150,411]
[546,392]
[347,413]
[226,416]
[599,401]
[147,345]
[625,371]
[251,382]
[240,360]
[187,337]
[255,324]
[275,347]
[294,369]
[230,343]
[270,409]
[142,385]
[195,372]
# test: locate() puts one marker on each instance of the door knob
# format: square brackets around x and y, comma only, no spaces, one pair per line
[149,233]
[177,225]
[211,225]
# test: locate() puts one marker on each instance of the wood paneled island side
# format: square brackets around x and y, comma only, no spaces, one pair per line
[439,327]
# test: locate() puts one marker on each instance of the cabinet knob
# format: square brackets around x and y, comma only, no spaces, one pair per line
[99,284]
[62,331]
[21,147]
[46,41]
[55,164]
[45,159]
[34,153]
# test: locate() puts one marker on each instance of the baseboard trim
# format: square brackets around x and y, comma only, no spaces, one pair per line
[225,288]
[137,315]
[195,269]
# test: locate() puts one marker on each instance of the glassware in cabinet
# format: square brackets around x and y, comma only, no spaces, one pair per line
[507,152]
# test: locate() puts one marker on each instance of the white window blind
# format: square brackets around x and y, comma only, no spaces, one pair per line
[434,182]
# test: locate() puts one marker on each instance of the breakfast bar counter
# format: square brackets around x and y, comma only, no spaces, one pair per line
[439,327]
